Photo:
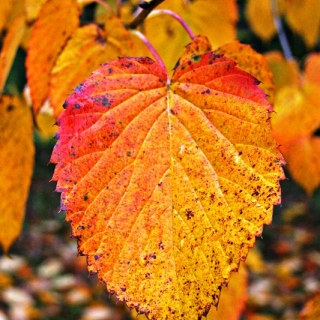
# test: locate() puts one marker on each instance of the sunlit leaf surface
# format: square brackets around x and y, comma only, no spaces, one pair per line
[166,185]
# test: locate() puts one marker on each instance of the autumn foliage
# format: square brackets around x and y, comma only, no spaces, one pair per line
[170,146]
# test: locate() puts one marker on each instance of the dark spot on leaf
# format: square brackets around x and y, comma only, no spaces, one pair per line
[123,289]
[10,108]
[110,70]
[99,38]
[161,246]
[77,106]
[78,88]
[316,133]
[196,59]
[189,214]
[105,101]
[206,91]
[129,154]
[96,257]
[85,197]
[65,104]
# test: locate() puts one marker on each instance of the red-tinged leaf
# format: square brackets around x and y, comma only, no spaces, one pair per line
[252,62]
[57,21]
[16,166]
[10,47]
[167,185]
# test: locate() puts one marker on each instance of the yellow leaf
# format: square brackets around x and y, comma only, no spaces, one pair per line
[296,119]
[252,62]
[16,166]
[166,185]
[10,46]
[214,19]
[311,310]
[5,10]
[304,18]
[285,72]
[46,124]
[17,11]
[32,8]
[304,163]
[255,262]
[86,51]
[57,21]
[233,298]
[261,19]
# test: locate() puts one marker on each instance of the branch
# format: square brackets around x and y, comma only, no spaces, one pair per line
[281,34]
[147,8]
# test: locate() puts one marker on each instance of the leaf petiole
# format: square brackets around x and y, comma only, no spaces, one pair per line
[175,16]
[151,49]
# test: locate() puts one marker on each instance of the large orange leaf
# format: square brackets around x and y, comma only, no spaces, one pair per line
[57,21]
[10,47]
[297,118]
[16,166]
[215,19]
[166,185]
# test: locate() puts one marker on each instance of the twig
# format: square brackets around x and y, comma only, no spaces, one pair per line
[175,16]
[119,2]
[281,34]
[147,8]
